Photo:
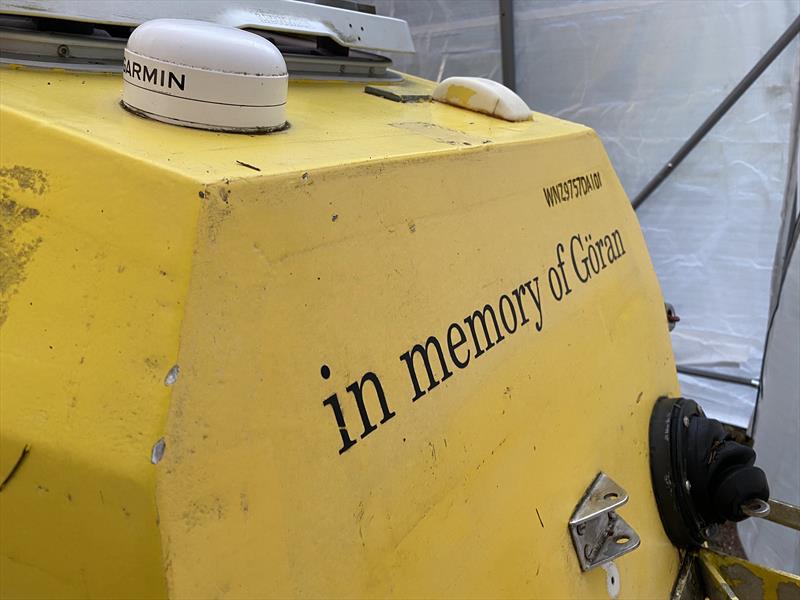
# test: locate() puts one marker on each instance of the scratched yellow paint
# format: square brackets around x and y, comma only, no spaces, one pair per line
[729,575]
[91,330]
[460,95]
[360,235]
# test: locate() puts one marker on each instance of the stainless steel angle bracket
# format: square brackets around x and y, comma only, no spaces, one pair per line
[598,533]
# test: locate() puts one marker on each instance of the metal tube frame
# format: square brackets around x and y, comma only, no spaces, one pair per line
[737,379]
[724,106]
[507,47]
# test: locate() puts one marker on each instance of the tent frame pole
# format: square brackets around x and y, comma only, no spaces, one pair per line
[507,48]
[724,106]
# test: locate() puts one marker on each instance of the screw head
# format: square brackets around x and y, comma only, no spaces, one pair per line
[63,51]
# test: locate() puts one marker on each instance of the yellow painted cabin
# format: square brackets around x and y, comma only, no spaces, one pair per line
[228,294]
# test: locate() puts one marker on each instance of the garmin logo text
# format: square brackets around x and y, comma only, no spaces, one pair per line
[154,75]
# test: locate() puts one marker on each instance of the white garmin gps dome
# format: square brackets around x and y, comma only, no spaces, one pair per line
[204,75]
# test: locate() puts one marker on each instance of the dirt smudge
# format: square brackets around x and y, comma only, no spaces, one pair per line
[16,250]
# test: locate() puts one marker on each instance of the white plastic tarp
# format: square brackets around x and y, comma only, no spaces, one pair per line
[777,426]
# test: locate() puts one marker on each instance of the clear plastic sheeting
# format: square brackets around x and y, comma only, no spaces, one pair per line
[644,75]
[777,427]
[452,38]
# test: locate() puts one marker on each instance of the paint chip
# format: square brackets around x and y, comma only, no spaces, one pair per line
[172,375]
[157,453]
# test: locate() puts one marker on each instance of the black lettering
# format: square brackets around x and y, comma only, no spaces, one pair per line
[357,390]
[570,189]
[537,301]
[599,245]
[503,313]
[559,249]
[591,256]
[137,68]
[347,442]
[481,315]
[619,247]
[552,271]
[151,76]
[408,357]
[577,238]
[518,293]
[609,249]
[179,83]
[454,346]
[549,196]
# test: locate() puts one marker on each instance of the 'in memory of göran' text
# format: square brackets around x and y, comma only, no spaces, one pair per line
[460,344]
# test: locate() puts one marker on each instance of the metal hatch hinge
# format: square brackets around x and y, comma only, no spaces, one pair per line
[598,533]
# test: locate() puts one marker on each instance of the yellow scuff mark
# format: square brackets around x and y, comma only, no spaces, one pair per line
[441,134]
[460,95]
